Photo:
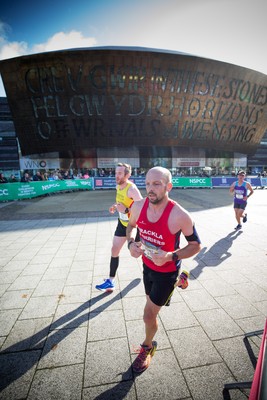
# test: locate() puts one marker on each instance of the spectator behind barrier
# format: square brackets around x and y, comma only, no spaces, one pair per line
[26,178]
[2,178]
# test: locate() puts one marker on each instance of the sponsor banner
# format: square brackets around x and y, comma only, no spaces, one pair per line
[140,181]
[228,180]
[108,183]
[104,183]
[191,181]
[16,191]
[20,190]
[33,163]
[222,181]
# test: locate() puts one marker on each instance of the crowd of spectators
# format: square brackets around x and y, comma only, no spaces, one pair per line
[29,176]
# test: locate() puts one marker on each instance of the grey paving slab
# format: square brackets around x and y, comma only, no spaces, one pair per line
[207,382]
[218,287]
[3,288]
[57,383]
[7,320]
[236,357]
[105,301]
[16,374]
[178,315]
[79,278]
[71,316]
[15,265]
[25,282]
[34,269]
[61,339]
[64,347]
[46,288]
[133,307]
[14,299]
[199,300]
[218,324]
[111,368]
[27,335]
[7,277]
[57,274]
[107,319]
[122,390]
[198,352]
[168,385]
[75,294]
[237,306]
[136,334]
[252,323]
[40,307]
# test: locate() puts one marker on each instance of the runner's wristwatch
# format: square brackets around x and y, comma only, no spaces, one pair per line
[129,243]
[175,257]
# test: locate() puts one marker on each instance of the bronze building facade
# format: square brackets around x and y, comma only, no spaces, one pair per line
[93,107]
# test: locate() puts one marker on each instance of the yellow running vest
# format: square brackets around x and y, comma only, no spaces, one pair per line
[121,197]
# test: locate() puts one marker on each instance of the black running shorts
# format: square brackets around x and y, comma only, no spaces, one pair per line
[121,231]
[241,206]
[159,286]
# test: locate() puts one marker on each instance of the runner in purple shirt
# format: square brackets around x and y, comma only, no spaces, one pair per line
[240,190]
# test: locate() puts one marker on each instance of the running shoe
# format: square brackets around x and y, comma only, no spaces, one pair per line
[106,286]
[142,361]
[238,227]
[245,218]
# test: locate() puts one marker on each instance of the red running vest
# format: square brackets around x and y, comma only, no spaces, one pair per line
[156,235]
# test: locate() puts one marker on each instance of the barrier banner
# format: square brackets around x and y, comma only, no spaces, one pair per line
[226,181]
[21,190]
[190,182]
[110,183]
[105,183]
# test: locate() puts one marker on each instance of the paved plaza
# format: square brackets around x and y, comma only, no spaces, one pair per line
[62,339]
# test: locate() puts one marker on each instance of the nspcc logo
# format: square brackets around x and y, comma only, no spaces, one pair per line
[200,181]
[3,192]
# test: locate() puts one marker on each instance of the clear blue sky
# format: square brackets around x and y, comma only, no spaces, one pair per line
[233,31]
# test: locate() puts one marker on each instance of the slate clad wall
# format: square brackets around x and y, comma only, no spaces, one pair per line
[79,99]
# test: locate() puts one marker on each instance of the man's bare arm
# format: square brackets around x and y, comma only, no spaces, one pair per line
[134,193]
[249,187]
[232,188]
[131,231]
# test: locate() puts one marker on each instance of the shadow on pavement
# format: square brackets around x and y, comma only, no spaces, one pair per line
[13,365]
[121,389]
[216,254]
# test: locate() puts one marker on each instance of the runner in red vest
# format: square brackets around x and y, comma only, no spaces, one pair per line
[160,222]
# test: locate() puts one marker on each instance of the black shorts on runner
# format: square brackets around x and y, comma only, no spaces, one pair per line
[121,231]
[240,206]
[159,286]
